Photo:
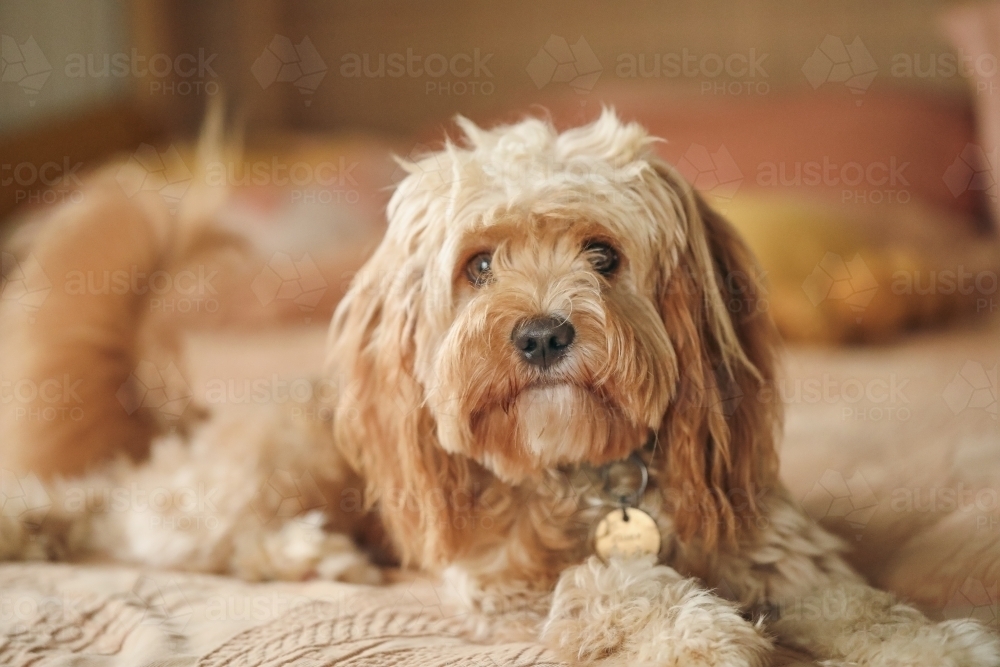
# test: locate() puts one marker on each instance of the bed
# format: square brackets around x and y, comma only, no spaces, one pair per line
[896,449]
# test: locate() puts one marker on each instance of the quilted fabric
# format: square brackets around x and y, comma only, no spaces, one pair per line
[877,441]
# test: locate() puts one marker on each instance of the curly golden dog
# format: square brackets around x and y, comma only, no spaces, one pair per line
[555,390]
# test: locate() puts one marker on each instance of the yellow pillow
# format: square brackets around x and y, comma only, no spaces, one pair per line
[840,273]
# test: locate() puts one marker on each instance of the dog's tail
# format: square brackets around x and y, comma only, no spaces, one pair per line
[88,346]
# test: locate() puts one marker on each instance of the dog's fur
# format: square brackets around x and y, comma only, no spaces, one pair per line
[480,467]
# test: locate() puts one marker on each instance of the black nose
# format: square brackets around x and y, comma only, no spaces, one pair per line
[544,340]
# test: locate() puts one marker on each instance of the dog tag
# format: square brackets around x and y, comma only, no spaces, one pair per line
[636,536]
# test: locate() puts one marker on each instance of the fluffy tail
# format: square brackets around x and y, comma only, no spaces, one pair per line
[88,352]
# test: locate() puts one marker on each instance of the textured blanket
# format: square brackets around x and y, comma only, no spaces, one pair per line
[896,449]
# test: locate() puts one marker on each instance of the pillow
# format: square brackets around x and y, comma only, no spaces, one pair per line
[838,273]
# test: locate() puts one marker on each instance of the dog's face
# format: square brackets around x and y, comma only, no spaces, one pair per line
[545,299]
[551,349]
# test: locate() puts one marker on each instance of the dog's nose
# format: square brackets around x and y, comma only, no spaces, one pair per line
[543,341]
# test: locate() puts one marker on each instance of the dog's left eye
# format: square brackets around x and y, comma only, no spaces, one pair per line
[478,269]
[602,257]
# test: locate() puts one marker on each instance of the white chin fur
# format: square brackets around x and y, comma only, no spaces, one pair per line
[558,423]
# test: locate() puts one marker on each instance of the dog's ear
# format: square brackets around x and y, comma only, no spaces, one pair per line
[719,431]
[380,422]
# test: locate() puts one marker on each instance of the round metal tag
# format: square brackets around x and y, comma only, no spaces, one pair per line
[617,536]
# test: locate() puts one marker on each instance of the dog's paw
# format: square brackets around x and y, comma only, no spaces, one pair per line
[958,643]
[969,644]
[349,565]
[302,549]
[856,625]
[633,612]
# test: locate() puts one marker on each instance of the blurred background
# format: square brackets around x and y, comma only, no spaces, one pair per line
[853,143]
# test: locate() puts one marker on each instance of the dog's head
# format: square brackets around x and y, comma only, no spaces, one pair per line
[545,299]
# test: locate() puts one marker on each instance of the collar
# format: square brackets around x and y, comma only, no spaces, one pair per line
[623,482]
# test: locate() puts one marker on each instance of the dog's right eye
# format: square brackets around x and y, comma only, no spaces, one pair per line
[478,269]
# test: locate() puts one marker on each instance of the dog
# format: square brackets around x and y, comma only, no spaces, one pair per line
[536,374]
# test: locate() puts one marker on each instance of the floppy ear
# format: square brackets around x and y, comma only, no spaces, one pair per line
[380,422]
[719,431]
